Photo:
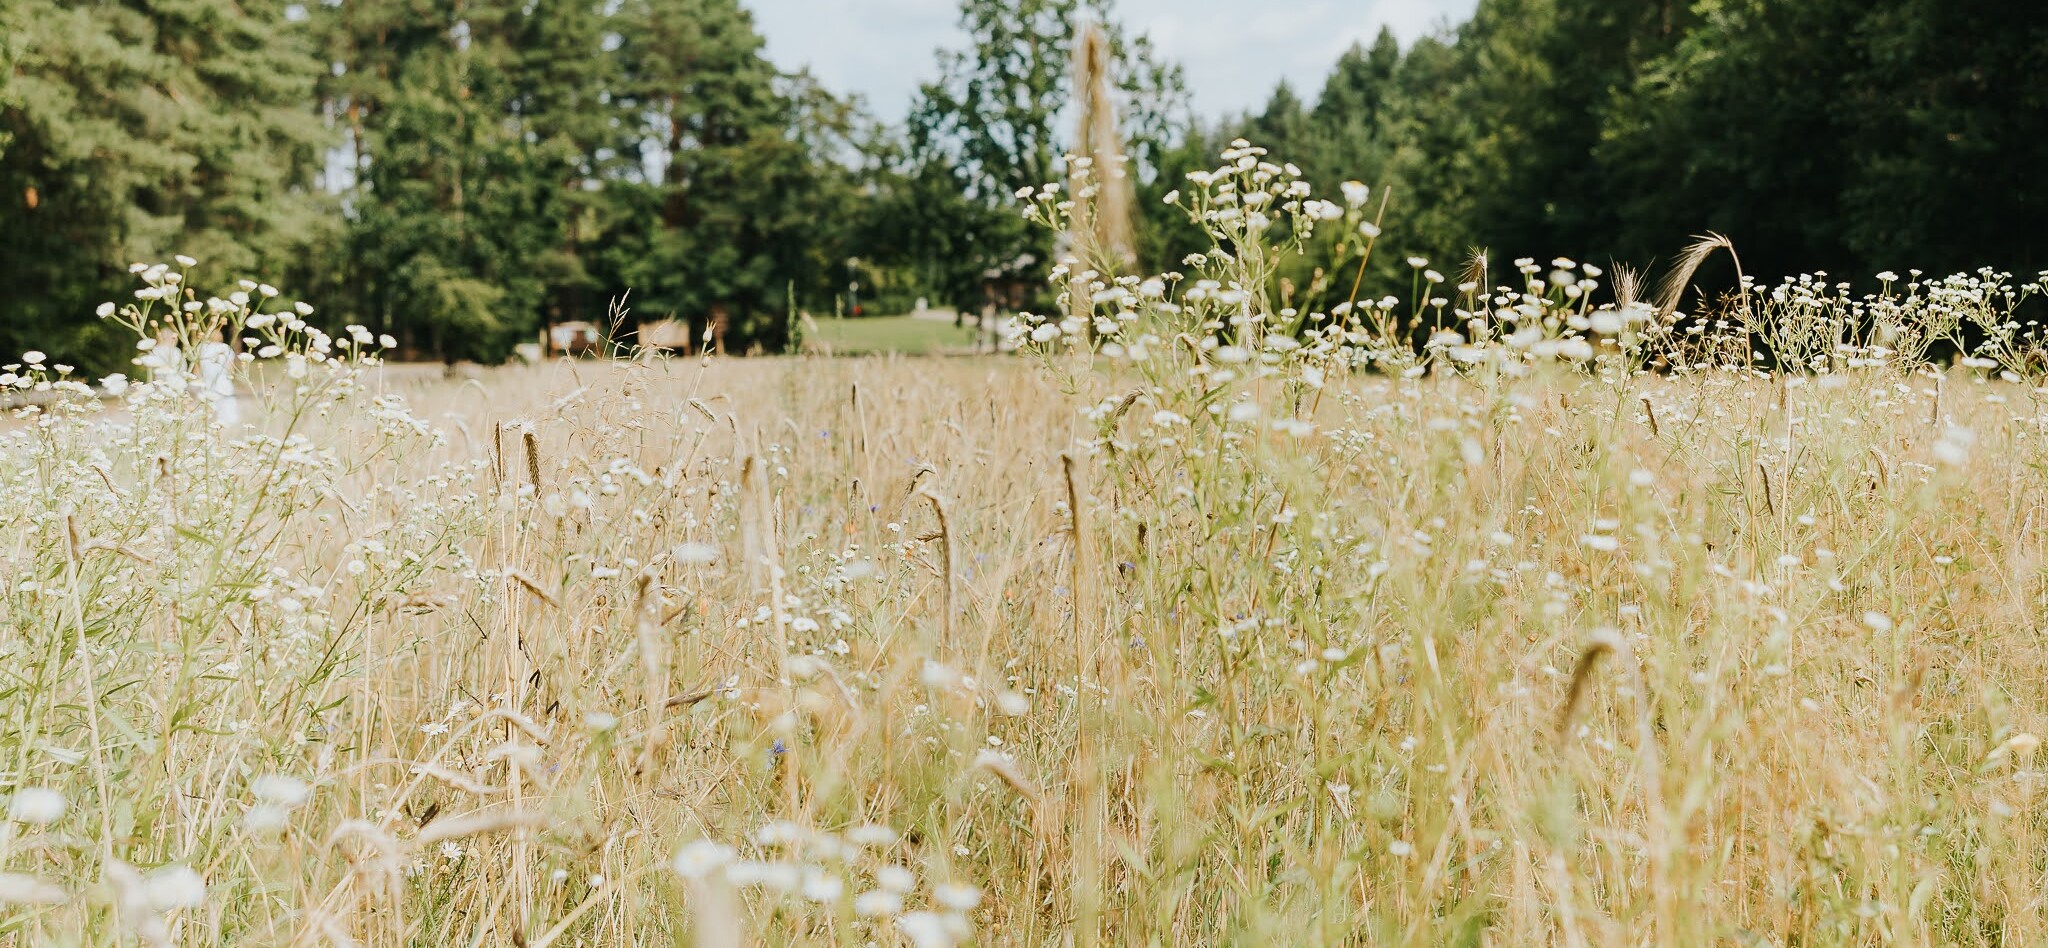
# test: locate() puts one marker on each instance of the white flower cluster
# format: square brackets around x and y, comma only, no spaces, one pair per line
[853,870]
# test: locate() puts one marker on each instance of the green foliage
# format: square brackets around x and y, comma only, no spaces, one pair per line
[990,126]
[741,197]
[131,133]
[461,173]
[473,129]
[524,164]
[1843,135]
[1832,134]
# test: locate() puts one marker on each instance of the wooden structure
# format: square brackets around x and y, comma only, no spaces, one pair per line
[574,338]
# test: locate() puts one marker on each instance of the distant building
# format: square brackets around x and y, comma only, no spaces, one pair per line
[574,338]
[670,334]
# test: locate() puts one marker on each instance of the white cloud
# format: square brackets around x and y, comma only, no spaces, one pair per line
[1234,52]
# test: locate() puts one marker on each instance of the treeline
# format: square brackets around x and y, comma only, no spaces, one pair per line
[1851,136]
[459,173]
[453,172]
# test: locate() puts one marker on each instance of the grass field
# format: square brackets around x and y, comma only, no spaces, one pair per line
[1200,621]
[1502,661]
[904,335]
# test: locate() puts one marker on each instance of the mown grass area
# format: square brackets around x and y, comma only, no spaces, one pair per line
[906,335]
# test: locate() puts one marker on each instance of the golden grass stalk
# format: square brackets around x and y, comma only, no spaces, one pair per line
[1679,279]
[1598,647]
[1102,226]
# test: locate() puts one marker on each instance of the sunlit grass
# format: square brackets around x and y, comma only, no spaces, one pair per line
[1207,623]
[906,335]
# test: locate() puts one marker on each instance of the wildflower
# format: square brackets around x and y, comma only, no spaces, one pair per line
[37,805]
[173,887]
[1355,193]
[694,554]
[1954,447]
[960,898]
[264,819]
[780,876]
[893,878]
[820,887]
[698,859]
[280,789]
[876,903]
[21,889]
[870,834]
[185,261]
[938,676]
[931,929]
[33,357]
[778,833]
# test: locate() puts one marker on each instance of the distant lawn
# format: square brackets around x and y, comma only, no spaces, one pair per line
[876,334]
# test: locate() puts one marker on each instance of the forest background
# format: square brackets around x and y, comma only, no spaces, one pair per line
[459,173]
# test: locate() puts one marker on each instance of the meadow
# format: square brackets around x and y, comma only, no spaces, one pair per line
[884,335]
[1204,620]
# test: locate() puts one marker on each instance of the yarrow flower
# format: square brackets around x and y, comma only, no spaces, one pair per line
[699,859]
[36,805]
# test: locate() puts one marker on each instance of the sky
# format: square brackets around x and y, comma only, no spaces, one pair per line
[1234,52]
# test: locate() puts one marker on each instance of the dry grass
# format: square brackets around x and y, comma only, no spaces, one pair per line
[1325,711]
[1218,624]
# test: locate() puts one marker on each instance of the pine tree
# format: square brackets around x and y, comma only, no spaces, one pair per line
[134,134]
[1949,112]
[742,199]
[1352,115]
[563,87]
[1721,135]
[990,125]
[1282,128]
[476,132]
